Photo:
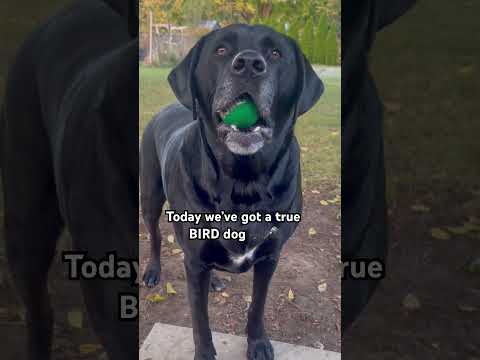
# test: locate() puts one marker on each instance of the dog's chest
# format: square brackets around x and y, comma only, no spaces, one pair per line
[235,262]
[234,256]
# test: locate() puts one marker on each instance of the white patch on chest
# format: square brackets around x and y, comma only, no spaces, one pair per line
[240,259]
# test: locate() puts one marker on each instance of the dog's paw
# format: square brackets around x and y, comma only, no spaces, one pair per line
[216,284]
[151,277]
[205,354]
[260,349]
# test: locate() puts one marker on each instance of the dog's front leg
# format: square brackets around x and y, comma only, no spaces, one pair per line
[198,280]
[259,346]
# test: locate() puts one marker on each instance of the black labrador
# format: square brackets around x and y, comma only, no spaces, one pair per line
[191,158]
[70,160]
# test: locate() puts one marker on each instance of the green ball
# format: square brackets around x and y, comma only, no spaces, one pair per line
[242,115]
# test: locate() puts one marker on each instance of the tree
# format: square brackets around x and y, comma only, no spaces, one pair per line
[313,23]
[321,33]
[308,39]
[294,30]
[331,47]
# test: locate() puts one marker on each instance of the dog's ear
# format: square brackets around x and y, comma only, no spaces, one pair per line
[182,78]
[309,85]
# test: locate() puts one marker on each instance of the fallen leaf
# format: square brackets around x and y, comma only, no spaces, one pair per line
[467,308]
[177,251]
[471,226]
[170,238]
[312,231]
[75,319]
[315,192]
[89,348]
[155,298]
[225,295]
[392,106]
[439,234]
[291,295]
[248,299]
[420,208]
[411,302]
[170,289]
[322,287]
[220,300]
[467,69]
[324,202]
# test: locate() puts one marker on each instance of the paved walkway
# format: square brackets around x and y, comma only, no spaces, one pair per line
[168,342]
[328,71]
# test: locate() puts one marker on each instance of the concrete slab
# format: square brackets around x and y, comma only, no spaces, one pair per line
[168,342]
[328,72]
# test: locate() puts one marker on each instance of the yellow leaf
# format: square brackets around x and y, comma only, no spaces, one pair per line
[225,295]
[439,234]
[324,202]
[75,319]
[470,226]
[291,295]
[468,69]
[312,231]
[420,208]
[155,298]
[411,302]
[170,238]
[322,287]
[89,348]
[176,251]
[170,289]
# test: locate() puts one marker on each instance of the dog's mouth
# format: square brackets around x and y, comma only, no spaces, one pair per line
[242,127]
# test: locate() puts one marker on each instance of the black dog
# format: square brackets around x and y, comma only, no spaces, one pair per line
[70,159]
[205,166]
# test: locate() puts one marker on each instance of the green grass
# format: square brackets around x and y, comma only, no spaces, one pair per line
[318,131]
[427,73]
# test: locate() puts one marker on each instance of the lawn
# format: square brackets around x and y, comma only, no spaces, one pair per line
[427,72]
[318,131]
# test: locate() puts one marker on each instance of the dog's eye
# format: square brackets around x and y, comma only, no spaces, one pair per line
[221,51]
[276,54]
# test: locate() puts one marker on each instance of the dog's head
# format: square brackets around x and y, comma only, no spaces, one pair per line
[246,63]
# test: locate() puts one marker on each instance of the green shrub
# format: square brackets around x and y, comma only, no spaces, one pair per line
[307,41]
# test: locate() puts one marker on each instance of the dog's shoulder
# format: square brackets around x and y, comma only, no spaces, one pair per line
[173,111]
[169,119]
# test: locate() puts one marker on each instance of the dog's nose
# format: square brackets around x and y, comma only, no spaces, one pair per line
[250,63]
